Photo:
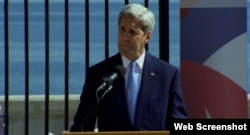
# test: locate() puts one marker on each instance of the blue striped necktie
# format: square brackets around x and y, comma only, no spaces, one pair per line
[131,90]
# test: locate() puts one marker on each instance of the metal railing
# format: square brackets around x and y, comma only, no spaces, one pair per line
[163,52]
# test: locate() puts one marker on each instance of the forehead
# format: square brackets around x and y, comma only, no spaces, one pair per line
[130,22]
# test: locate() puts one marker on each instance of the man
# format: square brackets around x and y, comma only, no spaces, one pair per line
[157,98]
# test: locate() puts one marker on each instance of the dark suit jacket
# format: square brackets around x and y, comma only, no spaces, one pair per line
[160,98]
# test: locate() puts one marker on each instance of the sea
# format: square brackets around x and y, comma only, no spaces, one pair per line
[76,42]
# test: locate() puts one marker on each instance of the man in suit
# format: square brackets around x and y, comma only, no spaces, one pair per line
[157,98]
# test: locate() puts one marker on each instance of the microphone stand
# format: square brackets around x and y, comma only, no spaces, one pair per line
[98,101]
[94,111]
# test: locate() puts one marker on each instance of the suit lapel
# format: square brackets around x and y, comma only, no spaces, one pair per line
[119,93]
[120,82]
[147,85]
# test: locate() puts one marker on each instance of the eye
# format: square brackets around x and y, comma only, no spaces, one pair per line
[121,29]
[132,32]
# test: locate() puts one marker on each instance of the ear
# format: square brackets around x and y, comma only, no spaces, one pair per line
[148,37]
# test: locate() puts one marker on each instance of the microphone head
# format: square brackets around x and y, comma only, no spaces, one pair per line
[120,70]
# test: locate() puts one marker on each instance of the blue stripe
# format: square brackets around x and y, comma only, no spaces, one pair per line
[205,30]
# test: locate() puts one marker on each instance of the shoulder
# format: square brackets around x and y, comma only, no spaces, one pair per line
[106,66]
[160,64]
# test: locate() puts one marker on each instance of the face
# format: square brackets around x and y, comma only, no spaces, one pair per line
[131,38]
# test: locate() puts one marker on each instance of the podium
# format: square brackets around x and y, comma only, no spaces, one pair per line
[118,133]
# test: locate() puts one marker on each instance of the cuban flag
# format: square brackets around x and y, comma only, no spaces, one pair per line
[214,58]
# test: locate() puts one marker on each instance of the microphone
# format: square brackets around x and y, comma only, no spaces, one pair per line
[119,71]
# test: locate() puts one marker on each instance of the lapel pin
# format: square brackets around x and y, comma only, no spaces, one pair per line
[152,74]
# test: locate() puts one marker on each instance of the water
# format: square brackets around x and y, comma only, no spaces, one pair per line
[76,38]
[76,44]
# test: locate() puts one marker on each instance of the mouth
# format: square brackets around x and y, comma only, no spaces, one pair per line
[126,47]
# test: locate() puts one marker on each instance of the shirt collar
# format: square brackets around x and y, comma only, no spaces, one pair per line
[139,61]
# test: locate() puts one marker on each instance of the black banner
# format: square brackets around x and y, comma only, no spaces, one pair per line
[209,126]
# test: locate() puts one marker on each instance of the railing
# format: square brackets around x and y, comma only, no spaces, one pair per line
[163,53]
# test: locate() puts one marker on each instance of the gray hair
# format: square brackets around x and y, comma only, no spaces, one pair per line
[141,13]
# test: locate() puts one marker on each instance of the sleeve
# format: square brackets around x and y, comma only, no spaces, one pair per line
[86,105]
[176,107]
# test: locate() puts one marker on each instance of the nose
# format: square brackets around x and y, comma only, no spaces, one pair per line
[125,37]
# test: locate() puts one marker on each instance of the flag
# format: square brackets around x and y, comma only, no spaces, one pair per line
[214,58]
